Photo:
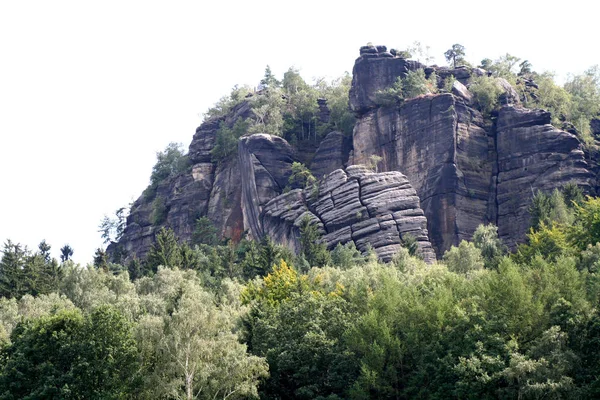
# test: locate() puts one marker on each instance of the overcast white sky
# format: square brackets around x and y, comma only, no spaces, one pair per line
[90,90]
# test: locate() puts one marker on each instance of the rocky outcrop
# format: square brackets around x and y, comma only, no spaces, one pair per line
[465,169]
[230,193]
[370,209]
[373,72]
[332,154]
[532,155]
[265,162]
[444,149]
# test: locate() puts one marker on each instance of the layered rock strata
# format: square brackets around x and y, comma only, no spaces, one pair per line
[370,209]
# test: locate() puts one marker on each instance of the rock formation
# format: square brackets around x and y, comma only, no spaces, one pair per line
[230,193]
[376,209]
[332,154]
[446,169]
[466,170]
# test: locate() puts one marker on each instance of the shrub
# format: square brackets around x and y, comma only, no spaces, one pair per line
[486,92]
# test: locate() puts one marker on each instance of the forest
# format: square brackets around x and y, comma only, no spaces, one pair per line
[212,318]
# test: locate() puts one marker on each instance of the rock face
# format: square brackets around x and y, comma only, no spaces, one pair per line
[230,193]
[532,155]
[465,170]
[332,154]
[357,205]
[266,167]
[372,73]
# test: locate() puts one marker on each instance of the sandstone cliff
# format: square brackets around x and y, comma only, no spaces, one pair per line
[465,169]
[445,169]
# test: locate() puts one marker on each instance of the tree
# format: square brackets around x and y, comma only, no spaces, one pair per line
[164,251]
[190,347]
[66,252]
[464,258]
[226,139]
[269,81]
[112,228]
[455,55]
[487,241]
[44,250]
[71,356]
[301,176]
[314,250]
[205,232]
[12,270]
[486,92]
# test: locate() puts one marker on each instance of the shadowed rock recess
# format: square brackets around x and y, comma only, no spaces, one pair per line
[444,169]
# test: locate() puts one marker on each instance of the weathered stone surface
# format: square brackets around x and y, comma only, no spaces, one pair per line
[371,209]
[231,194]
[466,171]
[509,95]
[532,155]
[371,74]
[265,162]
[441,145]
[204,139]
[460,90]
[332,154]
[595,127]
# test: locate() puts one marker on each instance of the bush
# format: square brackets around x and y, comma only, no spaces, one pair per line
[486,92]
[226,140]
[159,211]
[464,258]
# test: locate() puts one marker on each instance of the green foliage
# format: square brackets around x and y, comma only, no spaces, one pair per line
[205,232]
[268,112]
[414,84]
[226,140]
[487,241]
[169,162]
[66,252]
[346,256]
[189,343]
[410,243]
[337,95]
[585,93]
[455,55]
[159,211]
[71,356]
[23,272]
[586,228]
[165,251]
[313,249]
[112,228]
[550,96]
[464,259]
[485,92]
[301,176]
[449,84]
[226,103]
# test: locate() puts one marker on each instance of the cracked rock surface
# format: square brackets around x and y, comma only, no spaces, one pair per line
[357,205]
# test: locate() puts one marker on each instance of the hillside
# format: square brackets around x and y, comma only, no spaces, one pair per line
[474,147]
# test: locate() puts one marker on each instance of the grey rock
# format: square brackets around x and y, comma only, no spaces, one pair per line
[332,154]
[370,209]
[532,155]
[461,91]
